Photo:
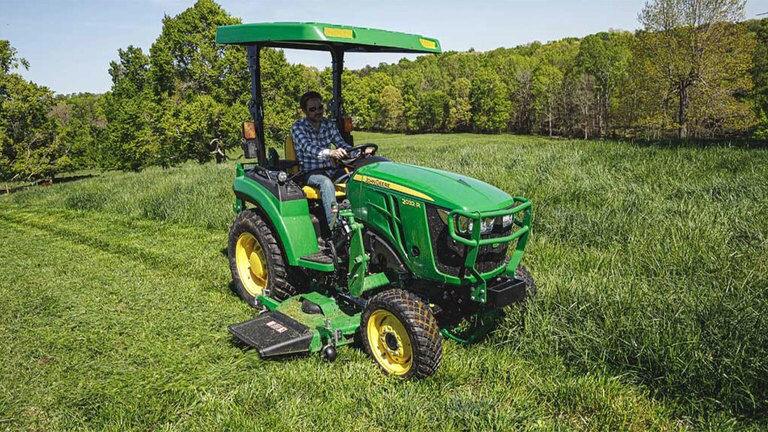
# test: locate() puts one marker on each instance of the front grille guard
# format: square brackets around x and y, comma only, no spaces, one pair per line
[522,212]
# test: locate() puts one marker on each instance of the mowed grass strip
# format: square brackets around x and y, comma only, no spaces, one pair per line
[652,259]
[104,340]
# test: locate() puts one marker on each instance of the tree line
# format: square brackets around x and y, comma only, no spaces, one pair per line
[693,72]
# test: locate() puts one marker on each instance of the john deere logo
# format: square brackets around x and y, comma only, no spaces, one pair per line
[392,186]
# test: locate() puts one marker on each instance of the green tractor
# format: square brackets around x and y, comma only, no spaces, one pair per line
[413,254]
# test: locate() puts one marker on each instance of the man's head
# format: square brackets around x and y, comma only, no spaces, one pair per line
[312,105]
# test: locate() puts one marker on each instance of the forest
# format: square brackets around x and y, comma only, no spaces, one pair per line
[681,77]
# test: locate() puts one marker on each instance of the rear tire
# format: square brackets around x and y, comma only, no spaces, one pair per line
[401,335]
[256,261]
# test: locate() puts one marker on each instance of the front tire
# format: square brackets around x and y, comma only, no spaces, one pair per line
[401,335]
[255,259]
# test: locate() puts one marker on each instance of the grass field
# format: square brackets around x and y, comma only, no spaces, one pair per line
[652,263]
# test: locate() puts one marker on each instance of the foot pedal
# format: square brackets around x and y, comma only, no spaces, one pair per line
[273,334]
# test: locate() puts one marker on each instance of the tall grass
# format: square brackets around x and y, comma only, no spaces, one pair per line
[652,263]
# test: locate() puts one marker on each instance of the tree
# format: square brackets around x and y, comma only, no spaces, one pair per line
[433,111]
[28,148]
[759,74]
[185,57]
[391,114]
[9,59]
[490,102]
[606,57]
[81,127]
[684,42]
[522,96]
[131,112]
[459,107]
[547,84]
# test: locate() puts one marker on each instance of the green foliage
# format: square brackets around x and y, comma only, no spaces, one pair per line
[606,57]
[688,46]
[391,114]
[546,87]
[186,60]
[433,111]
[459,106]
[28,145]
[9,59]
[181,100]
[759,72]
[490,103]
[81,129]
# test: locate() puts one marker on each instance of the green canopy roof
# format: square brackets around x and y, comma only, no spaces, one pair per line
[318,36]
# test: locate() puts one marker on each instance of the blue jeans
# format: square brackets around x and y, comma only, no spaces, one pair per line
[322,180]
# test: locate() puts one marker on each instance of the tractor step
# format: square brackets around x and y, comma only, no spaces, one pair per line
[274,334]
[319,257]
[317,261]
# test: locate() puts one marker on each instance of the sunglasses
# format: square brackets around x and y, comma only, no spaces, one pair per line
[315,109]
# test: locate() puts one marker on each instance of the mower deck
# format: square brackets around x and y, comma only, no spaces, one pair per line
[303,323]
[273,334]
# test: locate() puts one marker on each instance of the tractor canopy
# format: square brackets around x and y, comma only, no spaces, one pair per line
[319,36]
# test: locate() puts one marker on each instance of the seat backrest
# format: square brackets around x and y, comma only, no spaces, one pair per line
[290,154]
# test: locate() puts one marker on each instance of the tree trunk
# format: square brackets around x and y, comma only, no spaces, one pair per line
[550,125]
[682,114]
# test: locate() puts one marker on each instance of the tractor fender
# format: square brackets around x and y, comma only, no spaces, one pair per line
[289,220]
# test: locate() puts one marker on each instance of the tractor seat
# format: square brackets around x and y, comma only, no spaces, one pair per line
[311,192]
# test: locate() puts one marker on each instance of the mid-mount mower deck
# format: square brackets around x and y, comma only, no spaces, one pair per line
[414,254]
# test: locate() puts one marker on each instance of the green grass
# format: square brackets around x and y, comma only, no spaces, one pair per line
[652,263]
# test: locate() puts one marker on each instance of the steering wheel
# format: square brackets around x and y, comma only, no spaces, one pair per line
[361,153]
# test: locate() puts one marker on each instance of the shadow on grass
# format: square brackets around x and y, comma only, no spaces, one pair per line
[72,178]
[5,189]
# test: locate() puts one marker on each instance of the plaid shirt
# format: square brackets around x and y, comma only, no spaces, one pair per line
[313,147]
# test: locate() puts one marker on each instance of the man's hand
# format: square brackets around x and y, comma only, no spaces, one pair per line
[338,153]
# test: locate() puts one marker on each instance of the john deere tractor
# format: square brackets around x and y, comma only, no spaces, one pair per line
[413,254]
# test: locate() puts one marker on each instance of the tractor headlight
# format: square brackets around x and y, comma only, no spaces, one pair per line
[487,226]
[507,221]
[464,224]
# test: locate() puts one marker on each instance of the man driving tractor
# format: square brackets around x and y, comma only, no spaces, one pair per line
[312,139]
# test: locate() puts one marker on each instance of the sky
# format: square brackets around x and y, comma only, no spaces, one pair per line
[69,43]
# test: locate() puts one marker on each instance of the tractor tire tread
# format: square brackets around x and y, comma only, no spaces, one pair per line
[420,323]
[278,286]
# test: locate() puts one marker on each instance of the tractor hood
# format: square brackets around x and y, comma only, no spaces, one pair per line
[440,188]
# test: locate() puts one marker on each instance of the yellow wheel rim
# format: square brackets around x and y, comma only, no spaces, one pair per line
[389,342]
[251,264]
